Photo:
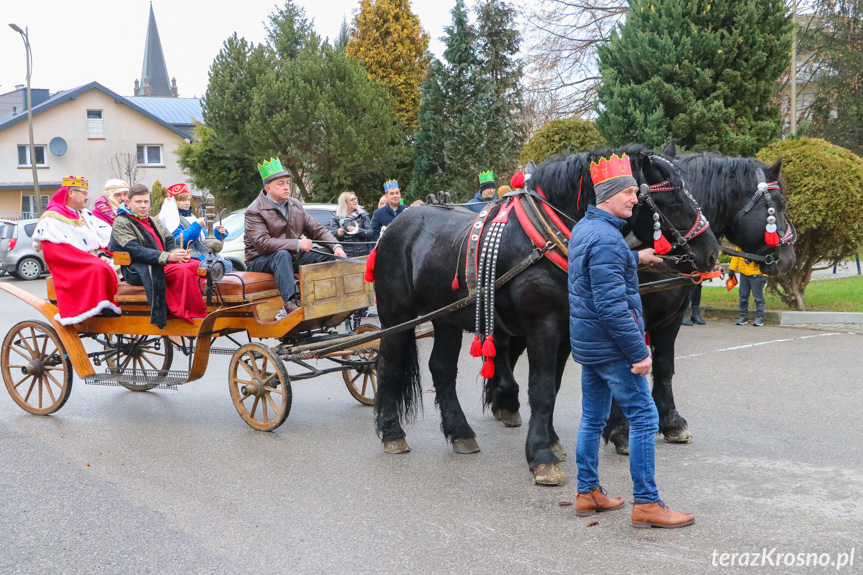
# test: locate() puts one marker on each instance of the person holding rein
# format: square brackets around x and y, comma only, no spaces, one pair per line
[607,338]
[169,275]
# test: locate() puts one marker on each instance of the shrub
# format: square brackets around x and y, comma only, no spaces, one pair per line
[572,135]
[824,198]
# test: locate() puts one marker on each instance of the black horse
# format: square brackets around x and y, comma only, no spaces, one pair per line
[724,187]
[422,250]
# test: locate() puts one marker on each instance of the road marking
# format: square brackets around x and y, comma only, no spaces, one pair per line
[751,345]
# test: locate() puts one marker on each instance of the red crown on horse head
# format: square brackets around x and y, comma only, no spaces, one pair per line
[613,167]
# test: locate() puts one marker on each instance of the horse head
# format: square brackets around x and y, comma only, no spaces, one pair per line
[667,210]
[745,202]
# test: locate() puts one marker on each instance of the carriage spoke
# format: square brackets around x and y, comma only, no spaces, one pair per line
[50,392]
[45,345]
[247,368]
[355,378]
[254,365]
[254,407]
[264,406]
[30,390]
[145,358]
[39,380]
[23,341]
[57,383]
[273,404]
[23,379]
[21,353]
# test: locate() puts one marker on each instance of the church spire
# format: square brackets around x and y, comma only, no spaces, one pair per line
[154,73]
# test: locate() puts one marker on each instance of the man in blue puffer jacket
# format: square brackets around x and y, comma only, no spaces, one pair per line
[607,338]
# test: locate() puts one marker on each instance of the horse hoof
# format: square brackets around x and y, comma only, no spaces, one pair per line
[465,446]
[558,451]
[622,449]
[549,474]
[683,436]
[396,446]
[509,418]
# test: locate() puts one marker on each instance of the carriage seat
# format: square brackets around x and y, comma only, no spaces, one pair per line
[257,286]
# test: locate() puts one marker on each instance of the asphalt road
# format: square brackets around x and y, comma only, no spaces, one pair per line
[175,482]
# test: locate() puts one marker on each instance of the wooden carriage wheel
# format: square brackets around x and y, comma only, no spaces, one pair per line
[146,354]
[36,368]
[260,386]
[363,384]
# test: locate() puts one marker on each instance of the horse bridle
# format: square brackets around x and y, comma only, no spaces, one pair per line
[763,190]
[680,240]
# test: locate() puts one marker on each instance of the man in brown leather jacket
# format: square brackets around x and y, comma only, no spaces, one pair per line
[275,223]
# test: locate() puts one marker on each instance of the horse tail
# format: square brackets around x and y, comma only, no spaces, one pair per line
[399,393]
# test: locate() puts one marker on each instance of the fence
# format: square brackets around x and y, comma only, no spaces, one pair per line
[16,216]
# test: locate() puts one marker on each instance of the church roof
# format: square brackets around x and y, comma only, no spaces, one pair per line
[155,70]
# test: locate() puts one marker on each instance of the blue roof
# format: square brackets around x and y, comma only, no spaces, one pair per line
[60,97]
[177,111]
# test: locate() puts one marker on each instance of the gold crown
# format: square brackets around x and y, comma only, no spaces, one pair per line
[76,181]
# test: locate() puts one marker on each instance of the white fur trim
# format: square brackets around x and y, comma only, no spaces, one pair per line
[94,234]
[104,304]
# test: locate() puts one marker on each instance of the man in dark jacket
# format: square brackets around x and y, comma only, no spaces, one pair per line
[274,223]
[385,215]
[486,194]
[607,338]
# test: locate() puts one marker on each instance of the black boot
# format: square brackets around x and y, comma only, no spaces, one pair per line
[686,319]
[696,315]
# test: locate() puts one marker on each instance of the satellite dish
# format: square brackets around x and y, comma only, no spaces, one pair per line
[58,146]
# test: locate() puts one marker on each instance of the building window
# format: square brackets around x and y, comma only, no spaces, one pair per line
[28,205]
[24,156]
[95,128]
[149,155]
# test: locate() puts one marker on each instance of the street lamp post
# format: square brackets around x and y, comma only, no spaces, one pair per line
[29,53]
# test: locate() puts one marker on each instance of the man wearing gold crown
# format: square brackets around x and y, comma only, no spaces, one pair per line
[280,234]
[486,194]
[607,339]
[385,214]
[74,244]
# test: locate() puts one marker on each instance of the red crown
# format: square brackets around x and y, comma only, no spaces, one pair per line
[613,167]
[177,189]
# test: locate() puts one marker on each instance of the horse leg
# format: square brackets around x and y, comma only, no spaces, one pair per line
[562,358]
[544,350]
[501,390]
[443,365]
[617,429]
[399,393]
[672,425]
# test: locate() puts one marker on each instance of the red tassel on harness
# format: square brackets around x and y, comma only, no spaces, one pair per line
[487,369]
[476,347]
[488,349]
[370,266]
[455,283]
[647,339]
[661,246]
[771,238]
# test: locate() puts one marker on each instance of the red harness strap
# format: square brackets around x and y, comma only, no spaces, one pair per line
[552,215]
[536,237]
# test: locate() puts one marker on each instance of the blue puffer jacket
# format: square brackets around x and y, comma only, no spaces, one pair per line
[605,317]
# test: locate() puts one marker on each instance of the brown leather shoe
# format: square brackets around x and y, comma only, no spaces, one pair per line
[587,504]
[647,515]
[292,306]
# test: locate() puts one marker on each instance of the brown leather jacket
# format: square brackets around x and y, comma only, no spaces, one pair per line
[268,231]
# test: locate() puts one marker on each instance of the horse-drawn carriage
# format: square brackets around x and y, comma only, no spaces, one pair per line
[38,357]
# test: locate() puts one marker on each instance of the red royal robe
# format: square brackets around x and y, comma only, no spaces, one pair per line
[84,283]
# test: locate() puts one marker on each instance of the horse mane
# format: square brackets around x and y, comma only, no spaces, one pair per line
[722,184]
[566,182]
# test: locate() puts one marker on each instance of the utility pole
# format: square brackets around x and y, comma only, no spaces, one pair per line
[794,69]
[25,35]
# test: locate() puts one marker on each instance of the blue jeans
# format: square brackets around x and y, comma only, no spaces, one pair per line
[632,392]
[754,284]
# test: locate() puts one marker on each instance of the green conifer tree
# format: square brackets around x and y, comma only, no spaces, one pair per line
[703,72]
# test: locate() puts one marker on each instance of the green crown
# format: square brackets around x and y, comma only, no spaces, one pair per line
[487,176]
[270,167]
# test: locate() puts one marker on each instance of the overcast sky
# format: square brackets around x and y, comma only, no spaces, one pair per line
[75,43]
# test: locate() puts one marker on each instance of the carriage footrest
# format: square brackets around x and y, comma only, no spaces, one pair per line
[145,377]
[223,350]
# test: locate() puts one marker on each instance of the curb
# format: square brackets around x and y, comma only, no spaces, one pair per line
[788,317]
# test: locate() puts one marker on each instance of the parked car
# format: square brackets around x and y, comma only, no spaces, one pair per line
[17,256]
[234,248]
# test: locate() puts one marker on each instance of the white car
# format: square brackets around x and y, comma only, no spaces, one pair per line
[234,248]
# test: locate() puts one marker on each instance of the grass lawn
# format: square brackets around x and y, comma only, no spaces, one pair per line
[825,295]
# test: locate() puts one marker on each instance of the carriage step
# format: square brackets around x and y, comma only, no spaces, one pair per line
[151,378]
